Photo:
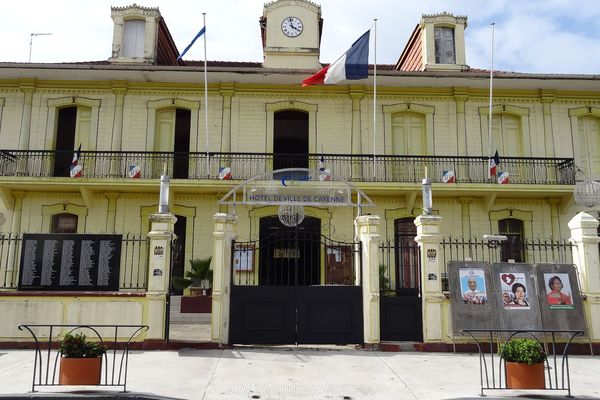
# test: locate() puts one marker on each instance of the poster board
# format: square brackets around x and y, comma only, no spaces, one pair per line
[561,303]
[473,307]
[515,289]
[70,262]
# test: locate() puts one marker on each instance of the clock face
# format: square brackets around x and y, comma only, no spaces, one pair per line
[292,26]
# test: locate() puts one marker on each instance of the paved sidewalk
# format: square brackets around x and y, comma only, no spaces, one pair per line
[296,373]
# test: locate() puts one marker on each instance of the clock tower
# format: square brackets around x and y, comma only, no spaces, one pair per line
[291,34]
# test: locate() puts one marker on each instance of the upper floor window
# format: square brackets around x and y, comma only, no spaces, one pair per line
[589,143]
[511,249]
[507,135]
[64,223]
[133,38]
[408,134]
[445,52]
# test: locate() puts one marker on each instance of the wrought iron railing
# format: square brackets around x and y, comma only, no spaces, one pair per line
[530,251]
[359,168]
[133,269]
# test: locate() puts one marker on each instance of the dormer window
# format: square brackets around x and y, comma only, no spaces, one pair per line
[133,38]
[444,46]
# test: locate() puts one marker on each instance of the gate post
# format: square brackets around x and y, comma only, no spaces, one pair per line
[584,235]
[159,271]
[367,231]
[221,263]
[428,238]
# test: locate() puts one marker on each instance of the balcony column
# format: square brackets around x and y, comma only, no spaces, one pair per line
[119,90]
[28,88]
[547,99]
[226,136]
[584,235]
[465,203]
[223,236]
[428,238]
[356,140]
[366,229]
[111,213]
[159,271]
[15,231]
[460,97]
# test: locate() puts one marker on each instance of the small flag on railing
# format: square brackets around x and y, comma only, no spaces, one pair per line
[76,170]
[503,178]
[225,173]
[324,174]
[494,162]
[135,172]
[448,177]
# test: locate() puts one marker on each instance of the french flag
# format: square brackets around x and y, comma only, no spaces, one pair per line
[493,164]
[354,64]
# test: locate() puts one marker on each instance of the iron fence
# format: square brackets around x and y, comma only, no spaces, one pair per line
[528,250]
[358,168]
[133,267]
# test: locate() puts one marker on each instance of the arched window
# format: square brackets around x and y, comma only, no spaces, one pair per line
[64,223]
[511,249]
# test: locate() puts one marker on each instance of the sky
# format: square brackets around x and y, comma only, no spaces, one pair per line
[535,36]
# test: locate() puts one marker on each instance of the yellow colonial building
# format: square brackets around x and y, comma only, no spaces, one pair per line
[84,146]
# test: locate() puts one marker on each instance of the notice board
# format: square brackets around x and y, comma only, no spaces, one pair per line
[70,262]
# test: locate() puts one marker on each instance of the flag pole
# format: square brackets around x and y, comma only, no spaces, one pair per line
[490,108]
[206,101]
[374,93]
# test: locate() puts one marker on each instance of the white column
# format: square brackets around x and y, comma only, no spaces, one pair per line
[160,235]
[428,238]
[584,235]
[221,262]
[366,228]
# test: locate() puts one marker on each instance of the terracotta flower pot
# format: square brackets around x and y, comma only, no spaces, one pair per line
[524,376]
[80,371]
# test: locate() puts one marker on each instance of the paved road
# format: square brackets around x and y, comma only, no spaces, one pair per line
[326,373]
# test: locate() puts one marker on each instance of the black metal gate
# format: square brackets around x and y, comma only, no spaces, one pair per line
[295,286]
[400,287]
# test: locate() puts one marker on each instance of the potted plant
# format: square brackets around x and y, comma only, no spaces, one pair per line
[524,360]
[199,282]
[81,360]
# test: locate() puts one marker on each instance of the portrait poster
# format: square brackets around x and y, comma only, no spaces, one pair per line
[559,295]
[514,291]
[472,286]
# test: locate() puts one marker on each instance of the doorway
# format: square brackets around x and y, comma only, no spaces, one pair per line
[65,141]
[290,139]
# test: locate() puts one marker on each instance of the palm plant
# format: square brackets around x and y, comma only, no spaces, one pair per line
[200,275]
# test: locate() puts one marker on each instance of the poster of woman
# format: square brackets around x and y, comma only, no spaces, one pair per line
[558,291]
[514,291]
[472,286]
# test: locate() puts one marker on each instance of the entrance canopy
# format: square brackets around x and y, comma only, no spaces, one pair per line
[299,186]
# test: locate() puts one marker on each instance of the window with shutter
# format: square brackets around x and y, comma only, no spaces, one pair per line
[133,38]
[444,46]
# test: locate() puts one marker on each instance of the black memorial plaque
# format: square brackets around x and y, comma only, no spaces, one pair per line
[70,262]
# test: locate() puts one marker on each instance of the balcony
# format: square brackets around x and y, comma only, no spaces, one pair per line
[107,165]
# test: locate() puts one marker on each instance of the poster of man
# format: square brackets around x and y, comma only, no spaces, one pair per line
[472,286]
[558,291]
[514,291]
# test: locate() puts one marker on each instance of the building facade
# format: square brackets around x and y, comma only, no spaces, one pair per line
[128,120]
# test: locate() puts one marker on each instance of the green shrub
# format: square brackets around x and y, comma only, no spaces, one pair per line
[76,345]
[522,350]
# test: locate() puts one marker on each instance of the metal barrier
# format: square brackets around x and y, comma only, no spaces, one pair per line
[114,361]
[556,365]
